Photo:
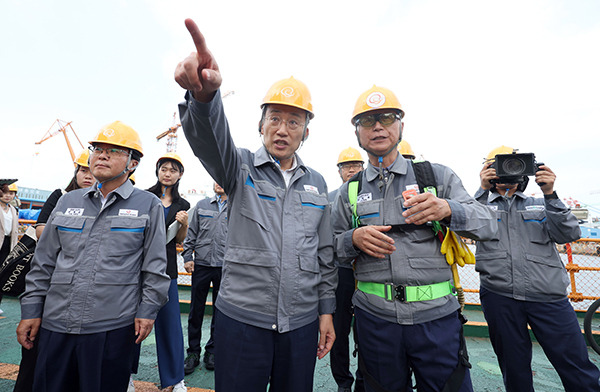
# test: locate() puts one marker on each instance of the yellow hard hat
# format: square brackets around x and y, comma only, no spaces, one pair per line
[350,155]
[170,155]
[132,178]
[406,150]
[13,187]
[121,135]
[376,98]
[82,159]
[290,92]
[500,150]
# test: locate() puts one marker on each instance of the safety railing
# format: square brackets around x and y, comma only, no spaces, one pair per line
[582,261]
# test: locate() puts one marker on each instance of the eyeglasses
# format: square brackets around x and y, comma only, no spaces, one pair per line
[275,121]
[351,165]
[111,152]
[368,120]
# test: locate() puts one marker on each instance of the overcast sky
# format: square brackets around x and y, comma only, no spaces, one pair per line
[471,75]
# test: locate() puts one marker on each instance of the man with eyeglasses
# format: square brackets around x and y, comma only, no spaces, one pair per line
[349,163]
[406,314]
[277,295]
[97,279]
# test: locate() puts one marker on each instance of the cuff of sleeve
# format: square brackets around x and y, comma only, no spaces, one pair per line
[349,248]
[458,219]
[147,311]
[552,196]
[481,192]
[202,109]
[31,311]
[327,306]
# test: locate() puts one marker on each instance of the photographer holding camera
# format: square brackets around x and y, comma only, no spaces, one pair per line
[523,279]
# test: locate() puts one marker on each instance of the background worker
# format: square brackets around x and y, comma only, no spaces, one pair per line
[524,281]
[203,253]
[349,163]
[277,292]
[168,330]
[406,315]
[82,178]
[97,279]
[406,150]
[9,223]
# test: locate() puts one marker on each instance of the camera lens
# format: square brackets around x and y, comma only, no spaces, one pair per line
[513,166]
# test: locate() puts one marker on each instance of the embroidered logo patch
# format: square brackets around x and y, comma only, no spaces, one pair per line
[123,212]
[535,208]
[311,189]
[364,197]
[74,211]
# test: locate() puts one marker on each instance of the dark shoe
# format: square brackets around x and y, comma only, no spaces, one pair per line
[191,362]
[209,361]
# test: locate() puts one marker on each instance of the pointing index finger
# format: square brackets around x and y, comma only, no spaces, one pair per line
[197,36]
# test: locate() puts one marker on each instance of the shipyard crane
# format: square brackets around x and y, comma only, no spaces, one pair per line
[63,127]
[171,132]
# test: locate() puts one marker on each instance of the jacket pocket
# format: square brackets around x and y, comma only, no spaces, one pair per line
[70,229]
[368,213]
[126,235]
[494,269]
[117,294]
[313,207]
[258,200]
[59,294]
[250,278]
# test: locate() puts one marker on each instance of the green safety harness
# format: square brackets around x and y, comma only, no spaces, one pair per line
[427,183]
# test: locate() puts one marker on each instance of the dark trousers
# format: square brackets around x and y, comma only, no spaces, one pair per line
[248,358]
[98,362]
[555,327]
[202,277]
[24,381]
[342,322]
[390,350]
[169,340]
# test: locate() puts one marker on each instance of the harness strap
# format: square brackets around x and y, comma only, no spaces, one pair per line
[390,292]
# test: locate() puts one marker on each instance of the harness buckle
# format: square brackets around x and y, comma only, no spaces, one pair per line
[400,293]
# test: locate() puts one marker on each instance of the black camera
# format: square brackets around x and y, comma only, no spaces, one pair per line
[514,168]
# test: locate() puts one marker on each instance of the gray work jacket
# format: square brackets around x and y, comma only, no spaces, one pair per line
[278,271]
[417,260]
[346,263]
[97,269]
[521,261]
[207,233]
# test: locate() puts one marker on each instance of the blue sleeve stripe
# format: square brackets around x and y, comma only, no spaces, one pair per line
[313,205]
[374,215]
[130,230]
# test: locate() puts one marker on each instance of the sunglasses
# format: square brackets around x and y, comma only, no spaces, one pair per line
[368,120]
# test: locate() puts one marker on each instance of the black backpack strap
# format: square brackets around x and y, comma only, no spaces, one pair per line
[424,174]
